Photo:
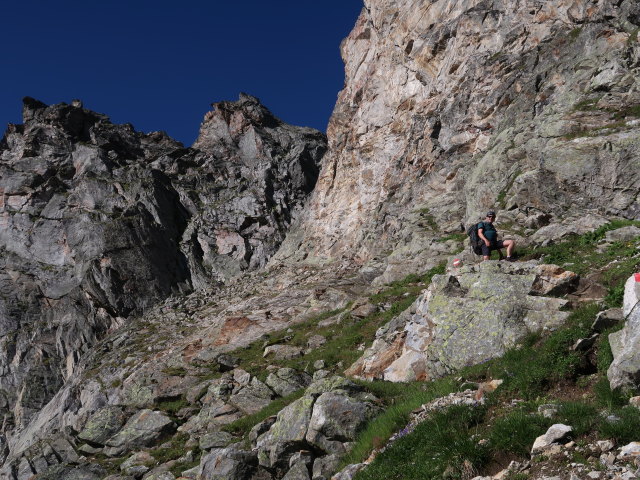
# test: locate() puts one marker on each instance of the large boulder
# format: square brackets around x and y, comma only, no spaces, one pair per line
[102,425]
[336,418]
[285,381]
[465,318]
[142,430]
[227,464]
[624,371]
[323,421]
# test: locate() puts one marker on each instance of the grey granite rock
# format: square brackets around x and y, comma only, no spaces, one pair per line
[103,222]
[227,464]
[465,318]
[624,371]
[102,425]
[285,381]
[141,430]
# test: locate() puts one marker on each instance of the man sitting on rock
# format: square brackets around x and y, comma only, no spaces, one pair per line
[489,236]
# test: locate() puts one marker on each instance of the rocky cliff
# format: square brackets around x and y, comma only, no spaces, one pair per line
[453,107]
[449,108]
[100,222]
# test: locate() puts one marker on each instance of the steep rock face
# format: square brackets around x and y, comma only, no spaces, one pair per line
[99,222]
[452,107]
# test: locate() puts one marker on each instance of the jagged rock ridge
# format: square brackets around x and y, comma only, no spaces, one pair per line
[100,222]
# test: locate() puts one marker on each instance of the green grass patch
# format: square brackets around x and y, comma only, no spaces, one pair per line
[516,432]
[171,406]
[174,371]
[625,429]
[579,253]
[341,338]
[458,237]
[588,104]
[596,131]
[605,397]
[175,450]
[429,218]
[580,415]
[629,111]
[400,400]
[243,425]
[575,33]
[604,355]
[441,447]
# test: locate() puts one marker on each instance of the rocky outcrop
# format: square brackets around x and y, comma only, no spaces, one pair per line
[100,222]
[452,107]
[624,371]
[465,318]
[321,423]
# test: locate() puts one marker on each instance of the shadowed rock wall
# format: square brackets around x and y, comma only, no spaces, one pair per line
[98,222]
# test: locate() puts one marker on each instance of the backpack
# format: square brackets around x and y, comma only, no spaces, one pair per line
[474,239]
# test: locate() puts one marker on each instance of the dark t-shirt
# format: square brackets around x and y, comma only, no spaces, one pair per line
[489,231]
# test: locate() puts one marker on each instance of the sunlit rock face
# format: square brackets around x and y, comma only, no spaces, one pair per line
[452,107]
[99,222]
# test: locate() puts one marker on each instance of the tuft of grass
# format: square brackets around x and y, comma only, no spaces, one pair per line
[575,33]
[581,416]
[400,400]
[175,371]
[624,430]
[628,111]
[615,296]
[412,284]
[587,105]
[516,432]
[243,425]
[171,406]
[604,355]
[176,449]
[608,398]
[458,237]
[429,218]
[441,447]
[580,251]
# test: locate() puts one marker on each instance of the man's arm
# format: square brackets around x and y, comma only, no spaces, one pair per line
[483,238]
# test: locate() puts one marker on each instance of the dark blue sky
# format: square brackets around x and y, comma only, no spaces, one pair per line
[159,64]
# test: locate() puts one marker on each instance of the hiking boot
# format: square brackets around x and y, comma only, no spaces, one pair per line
[511,259]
